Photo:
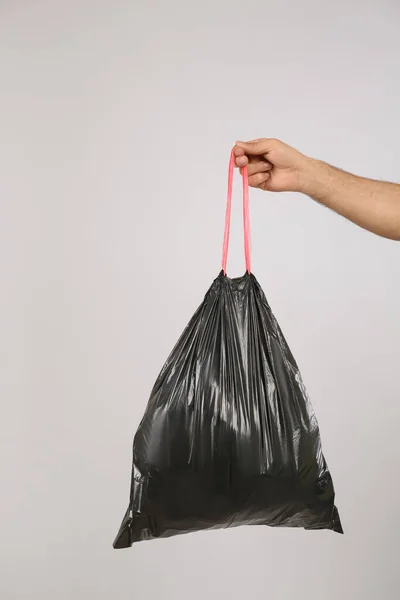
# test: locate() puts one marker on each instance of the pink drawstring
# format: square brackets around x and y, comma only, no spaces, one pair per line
[246,215]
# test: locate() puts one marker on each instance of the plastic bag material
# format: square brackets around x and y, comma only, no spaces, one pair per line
[229,436]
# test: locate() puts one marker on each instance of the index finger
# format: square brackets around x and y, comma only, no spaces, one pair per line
[238,151]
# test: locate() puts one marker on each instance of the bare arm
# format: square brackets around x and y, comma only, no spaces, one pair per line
[373,205]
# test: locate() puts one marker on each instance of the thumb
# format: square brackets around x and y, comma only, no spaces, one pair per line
[256,147]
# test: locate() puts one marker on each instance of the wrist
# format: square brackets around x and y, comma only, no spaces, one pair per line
[309,176]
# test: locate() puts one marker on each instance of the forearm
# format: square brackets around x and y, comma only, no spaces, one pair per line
[373,205]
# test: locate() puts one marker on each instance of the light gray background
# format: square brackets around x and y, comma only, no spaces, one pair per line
[116,122]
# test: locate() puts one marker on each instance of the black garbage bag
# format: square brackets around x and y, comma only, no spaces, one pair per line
[229,436]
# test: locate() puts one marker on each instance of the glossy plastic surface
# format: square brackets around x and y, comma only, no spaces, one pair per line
[229,436]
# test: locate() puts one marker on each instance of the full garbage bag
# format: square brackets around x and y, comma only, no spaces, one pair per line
[229,436]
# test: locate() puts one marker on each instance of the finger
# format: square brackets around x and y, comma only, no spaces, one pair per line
[258,167]
[259,179]
[238,151]
[242,161]
[256,147]
[240,158]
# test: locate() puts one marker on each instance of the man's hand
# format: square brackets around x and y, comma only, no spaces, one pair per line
[272,165]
